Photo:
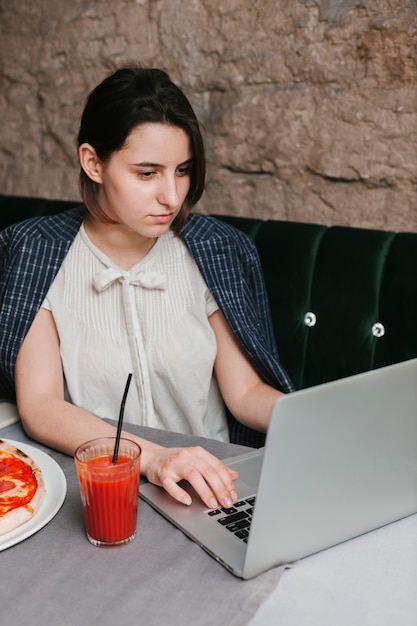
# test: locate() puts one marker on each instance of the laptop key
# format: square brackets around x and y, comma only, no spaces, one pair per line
[236,519]
[242,534]
[243,523]
[229,511]
[230,519]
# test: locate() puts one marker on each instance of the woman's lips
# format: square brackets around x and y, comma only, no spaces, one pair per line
[163,218]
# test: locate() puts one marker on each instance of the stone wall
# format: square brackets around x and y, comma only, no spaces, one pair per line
[309,106]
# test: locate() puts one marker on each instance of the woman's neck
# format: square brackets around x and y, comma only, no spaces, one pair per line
[123,246]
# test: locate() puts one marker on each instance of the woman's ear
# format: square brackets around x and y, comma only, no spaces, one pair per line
[90,162]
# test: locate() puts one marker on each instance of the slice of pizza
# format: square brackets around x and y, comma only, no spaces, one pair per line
[22,487]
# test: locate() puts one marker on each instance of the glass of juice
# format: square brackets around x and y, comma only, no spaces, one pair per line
[109,491]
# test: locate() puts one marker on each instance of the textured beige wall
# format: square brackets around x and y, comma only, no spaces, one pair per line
[309,106]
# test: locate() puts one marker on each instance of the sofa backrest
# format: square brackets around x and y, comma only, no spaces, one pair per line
[343,300]
[15,209]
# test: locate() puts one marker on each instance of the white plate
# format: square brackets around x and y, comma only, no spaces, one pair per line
[55,492]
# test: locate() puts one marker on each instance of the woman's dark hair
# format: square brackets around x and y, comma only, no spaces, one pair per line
[132,96]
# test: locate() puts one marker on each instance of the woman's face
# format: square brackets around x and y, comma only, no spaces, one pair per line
[144,185]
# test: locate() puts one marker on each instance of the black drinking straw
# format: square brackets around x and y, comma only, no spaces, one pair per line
[120,422]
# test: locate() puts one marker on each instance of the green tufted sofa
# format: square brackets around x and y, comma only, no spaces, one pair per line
[343,300]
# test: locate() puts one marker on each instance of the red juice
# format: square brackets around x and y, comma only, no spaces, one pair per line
[109,493]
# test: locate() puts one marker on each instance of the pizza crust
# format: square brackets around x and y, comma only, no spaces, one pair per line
[18,516]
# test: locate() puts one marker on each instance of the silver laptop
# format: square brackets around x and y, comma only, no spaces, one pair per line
[340,460]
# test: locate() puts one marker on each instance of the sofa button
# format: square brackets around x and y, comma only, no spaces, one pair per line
[310,319]
[378,330]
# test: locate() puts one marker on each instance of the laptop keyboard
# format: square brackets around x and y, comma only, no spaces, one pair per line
[237,519]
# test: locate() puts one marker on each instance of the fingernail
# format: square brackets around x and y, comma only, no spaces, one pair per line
[233,495]
[213,504]
[227,503]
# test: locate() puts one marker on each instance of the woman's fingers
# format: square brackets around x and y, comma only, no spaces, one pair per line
[208,476]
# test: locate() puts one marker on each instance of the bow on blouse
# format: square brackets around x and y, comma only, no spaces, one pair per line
[150,279]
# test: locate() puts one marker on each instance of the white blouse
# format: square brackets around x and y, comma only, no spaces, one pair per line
[151,320]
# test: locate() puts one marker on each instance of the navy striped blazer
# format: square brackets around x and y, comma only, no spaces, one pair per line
[32,252]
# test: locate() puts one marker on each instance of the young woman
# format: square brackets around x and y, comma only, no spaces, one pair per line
[131,282]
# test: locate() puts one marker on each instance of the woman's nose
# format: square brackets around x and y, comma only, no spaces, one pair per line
[169,193]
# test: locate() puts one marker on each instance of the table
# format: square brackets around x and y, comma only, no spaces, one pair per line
[368,581]
[56,577]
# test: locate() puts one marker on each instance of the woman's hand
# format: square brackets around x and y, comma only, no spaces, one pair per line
[209,477]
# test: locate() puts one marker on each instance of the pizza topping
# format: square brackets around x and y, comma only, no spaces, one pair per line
[21,481]
[3,468]
[6,485]
[21,487]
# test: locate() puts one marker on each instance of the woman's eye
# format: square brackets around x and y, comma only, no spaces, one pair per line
[183,171]
[146,175]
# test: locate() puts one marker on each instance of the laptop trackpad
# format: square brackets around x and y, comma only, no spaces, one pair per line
[249,467]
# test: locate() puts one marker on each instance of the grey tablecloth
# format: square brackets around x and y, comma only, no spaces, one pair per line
[56,577]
